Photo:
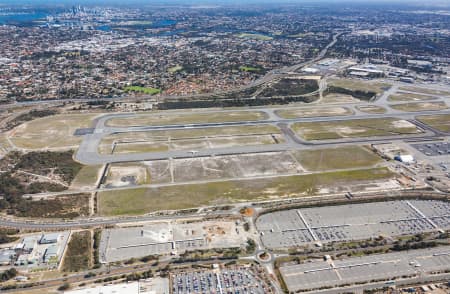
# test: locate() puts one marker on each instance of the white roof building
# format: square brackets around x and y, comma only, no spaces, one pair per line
[406,158]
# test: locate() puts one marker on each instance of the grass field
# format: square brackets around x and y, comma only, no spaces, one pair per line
[407,97]
[260,37]
[78,254]
[371,109]
[249,69]
[144,90]
[138,147]
[440,122]
[425,91]
[164,135]
[87,177]
[189,118]
[354,128]
[185,139]
[337,98]
[193,143]
[51,132]
[313,112]
[419,106]
[336,158]
[356,85]
[175,69]
[145,200]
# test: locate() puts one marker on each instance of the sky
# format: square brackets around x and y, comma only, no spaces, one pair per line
[216,1]
[194,2]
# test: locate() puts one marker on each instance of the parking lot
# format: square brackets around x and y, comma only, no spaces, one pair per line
[433,149]
[236,280]
[297,227]
[316,274]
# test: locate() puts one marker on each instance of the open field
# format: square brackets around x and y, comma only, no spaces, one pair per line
[64,206]
[51,132]
[354,128]
[406,97]
[124,174]
[139,147]
[425,91]
[230,167]
[290,87]
[189,144]
[250,68]
[144,90]
[329,98]
[78,255]
[87,177]
[420,106]
[336,158]
[235,166]
[255,36]
[313,112]
[144,200]
[4,144]
[138,173]
[188,118]
[356,85]
[371,109]
[203,169]
[185,139]
[440,122]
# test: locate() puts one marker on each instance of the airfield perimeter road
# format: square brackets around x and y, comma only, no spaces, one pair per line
[88,151]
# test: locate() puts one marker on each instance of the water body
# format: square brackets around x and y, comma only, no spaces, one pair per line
[20,17]
[163,23]
[155,25]
[104,28]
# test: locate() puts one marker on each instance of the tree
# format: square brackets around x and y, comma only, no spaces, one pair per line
[64,287]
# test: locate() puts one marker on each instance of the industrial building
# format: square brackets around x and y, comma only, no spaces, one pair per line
[49,238]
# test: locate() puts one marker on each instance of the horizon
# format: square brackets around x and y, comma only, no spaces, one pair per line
[222,2]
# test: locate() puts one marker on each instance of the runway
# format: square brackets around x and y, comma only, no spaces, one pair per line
[88,150]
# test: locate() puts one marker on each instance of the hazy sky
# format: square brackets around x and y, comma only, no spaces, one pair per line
[194,2]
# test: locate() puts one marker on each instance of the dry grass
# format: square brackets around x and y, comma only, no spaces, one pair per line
[189,118]
[51,132]
[87,177]
[78,255]
[336,158]
[371,109]
[354,128]
[356,85]
[407,97]
[313,112]
[425,91]
[440,122]
[420,106]
[145,200]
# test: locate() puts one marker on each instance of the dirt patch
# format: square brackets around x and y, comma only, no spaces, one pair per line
[121,175]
